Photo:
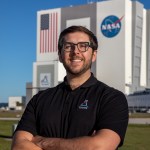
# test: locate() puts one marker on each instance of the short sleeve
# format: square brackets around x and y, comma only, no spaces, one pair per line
[113,113]
[28,119]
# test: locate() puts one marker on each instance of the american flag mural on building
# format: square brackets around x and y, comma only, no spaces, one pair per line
[48,32]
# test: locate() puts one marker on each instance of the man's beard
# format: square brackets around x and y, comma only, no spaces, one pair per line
[80,71]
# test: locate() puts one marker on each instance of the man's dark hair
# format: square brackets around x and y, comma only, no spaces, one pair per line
[72,29]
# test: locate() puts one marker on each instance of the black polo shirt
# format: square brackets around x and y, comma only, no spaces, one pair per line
[65,113]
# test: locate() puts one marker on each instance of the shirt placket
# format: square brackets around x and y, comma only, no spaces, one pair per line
[65,114]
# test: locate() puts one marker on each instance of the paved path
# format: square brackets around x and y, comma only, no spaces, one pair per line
[131,120]
[139,121]
[9,118]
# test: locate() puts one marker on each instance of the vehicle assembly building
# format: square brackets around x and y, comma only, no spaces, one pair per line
[123,31]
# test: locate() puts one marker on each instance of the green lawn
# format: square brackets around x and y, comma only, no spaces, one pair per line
[6,128]
[139,115]
[10,114]
[5,144]
[137,136]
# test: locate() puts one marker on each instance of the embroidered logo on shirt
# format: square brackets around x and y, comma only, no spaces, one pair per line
[84,105]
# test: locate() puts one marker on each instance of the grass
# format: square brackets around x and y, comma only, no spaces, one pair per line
[139,115]
[4,144]
[6,128]
[137,138]
[10,114]
[18,114]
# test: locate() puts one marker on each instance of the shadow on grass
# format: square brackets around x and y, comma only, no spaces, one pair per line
[5,136]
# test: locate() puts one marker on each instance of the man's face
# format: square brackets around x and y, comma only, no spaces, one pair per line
[75,61]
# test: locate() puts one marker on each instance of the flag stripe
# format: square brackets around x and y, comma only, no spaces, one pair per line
[49,33]
[56,30]
[53,32]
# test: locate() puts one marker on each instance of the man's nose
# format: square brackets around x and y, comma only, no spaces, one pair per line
[75,49]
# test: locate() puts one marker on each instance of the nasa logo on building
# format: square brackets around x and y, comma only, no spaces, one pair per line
[45,79]
[111,26]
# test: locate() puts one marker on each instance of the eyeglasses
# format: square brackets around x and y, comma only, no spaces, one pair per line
[82,46]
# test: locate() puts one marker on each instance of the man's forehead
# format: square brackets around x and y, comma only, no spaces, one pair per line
[76,36]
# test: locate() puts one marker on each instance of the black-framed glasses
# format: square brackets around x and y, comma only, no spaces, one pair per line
[82,46]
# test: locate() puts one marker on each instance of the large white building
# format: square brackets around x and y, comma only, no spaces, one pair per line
[16,102]
[123,31]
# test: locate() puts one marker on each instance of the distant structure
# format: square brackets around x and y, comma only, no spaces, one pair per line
[139,101]
[29,89]
[123,31]
[16,102]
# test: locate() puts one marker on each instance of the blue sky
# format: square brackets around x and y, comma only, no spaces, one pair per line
[18,41]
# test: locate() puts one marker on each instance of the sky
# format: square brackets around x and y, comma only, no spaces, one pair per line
[18,21]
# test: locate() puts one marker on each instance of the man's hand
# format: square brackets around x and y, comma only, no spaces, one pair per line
[47,143]
[22,140]
[104,139]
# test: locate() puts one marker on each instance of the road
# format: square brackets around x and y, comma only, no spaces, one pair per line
[139,121]
[131,120]
[9,118]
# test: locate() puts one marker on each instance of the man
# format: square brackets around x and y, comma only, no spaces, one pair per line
[81,113]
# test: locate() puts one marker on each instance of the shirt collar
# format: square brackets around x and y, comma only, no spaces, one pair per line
[91,81]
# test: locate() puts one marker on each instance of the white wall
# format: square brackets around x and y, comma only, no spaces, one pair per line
[53,38]
[110,67]
[12,102]
[143,73]
[48,68]
[128,46]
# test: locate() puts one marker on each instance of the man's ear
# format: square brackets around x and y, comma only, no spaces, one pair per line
[94,55]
